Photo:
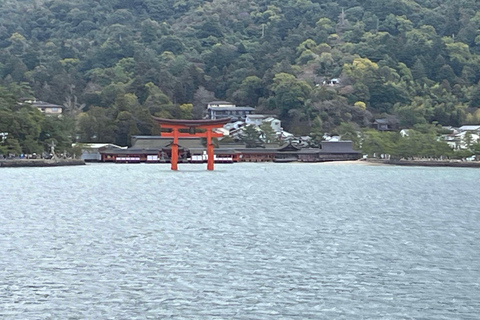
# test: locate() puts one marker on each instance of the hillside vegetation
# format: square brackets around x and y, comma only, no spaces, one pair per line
[113,63]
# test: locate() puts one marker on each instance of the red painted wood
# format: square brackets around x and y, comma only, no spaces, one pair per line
[175,125]
[210,160]
[174,156]
[188,135]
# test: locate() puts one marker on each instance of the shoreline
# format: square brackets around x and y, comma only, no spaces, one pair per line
[32,163]
[426,163]
[23,163]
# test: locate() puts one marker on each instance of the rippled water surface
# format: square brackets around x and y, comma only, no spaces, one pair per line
[247,241]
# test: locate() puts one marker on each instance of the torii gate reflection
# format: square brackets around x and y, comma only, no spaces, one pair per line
[193,128]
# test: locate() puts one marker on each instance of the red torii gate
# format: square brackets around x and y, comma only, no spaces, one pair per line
[191,126]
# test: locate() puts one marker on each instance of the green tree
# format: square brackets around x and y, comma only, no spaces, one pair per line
[288,93]
[251,89]
[97,125]
[251,136]
[267,133]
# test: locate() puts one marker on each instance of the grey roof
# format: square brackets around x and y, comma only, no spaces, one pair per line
[469,128]
[272,145]
[309,151]
[41,104]
[337,147]
[150,142]
[224,150]
[382,121]
[232,108]
[257,150]
[289,148]
[220,102]
[191,143]
[237,145]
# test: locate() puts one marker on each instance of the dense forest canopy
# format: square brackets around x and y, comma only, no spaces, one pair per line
[113,63]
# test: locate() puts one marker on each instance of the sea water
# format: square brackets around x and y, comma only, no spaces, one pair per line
[246,241]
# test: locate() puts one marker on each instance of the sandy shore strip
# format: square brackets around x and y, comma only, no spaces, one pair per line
[350,162]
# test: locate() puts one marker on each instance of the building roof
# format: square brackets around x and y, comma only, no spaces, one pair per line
[224,150]
[257,116]
[289,148]
[158,142]
[220,102]
[382,121]
[41,104]
[337,147]
[470,128]
[150,142]
[236,145]
[257,150]
[233,108]
[192,123]
[97,145]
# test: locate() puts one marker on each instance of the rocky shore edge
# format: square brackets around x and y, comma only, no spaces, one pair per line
[17,163]
[428,163]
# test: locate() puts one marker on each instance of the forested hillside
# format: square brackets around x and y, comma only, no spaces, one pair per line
[112,63]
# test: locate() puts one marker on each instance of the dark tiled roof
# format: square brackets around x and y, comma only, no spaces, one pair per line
[224,150]
[158,142]
[381,121]
[257,150]
[232,145]
[337,147]
[191,143]
[150,142]
[289,148]
[309,151]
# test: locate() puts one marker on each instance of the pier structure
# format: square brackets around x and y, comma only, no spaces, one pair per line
[176,128]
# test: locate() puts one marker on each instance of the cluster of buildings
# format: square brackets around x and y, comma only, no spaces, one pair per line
[193,150]
[285,147]
[463,137]
[241,117]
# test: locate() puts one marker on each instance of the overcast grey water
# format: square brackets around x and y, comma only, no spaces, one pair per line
[247,241]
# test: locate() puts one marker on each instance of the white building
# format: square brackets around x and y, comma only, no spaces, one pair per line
[259,119]
[462,140]
[255,119]
[225,109]
[470,128]
[275,124]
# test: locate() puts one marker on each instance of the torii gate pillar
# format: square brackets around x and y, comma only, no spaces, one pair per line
[192,128]
[210,155]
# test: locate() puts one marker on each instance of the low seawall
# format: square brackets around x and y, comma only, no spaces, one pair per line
[16,163]
[428,163]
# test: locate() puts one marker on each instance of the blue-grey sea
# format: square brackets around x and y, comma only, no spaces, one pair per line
[246,241]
